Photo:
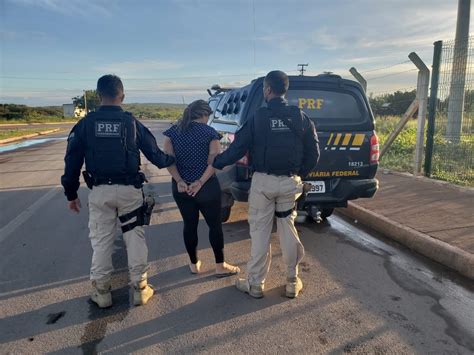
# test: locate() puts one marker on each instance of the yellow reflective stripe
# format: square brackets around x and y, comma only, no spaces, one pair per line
[329,140]
[338,138]
[358,139]
[347,138]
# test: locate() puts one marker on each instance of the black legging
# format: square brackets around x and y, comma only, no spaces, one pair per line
[208,201]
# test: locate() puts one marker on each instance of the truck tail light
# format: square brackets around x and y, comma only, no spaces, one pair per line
[374,149]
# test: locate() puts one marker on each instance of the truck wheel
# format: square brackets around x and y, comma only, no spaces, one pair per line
[225,214]
[326,212]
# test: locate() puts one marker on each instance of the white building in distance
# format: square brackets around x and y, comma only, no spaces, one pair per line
[69,110]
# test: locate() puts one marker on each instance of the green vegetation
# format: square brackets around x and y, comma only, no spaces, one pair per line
[92,99]
[449,159]
[12,113]
[11,133]
[392,104]
[400,155]
[155,111]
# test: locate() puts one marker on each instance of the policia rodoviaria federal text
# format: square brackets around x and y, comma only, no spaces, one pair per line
[283,148]
[110,141]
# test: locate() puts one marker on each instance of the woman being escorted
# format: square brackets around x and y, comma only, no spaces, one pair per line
[195,186]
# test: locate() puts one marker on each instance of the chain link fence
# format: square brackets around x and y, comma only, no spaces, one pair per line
[453,140]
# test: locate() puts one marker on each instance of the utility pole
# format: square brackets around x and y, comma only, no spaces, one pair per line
[458,77]
[85,101]
[302,69]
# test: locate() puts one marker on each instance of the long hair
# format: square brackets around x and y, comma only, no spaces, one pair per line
[194,111]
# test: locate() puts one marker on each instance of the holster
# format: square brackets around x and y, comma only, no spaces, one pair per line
[88,179]
[142,214]
[139,180]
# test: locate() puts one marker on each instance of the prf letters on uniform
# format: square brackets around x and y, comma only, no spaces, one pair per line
[278,125]
[107,129]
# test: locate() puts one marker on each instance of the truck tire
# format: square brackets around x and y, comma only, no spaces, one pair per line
[326,212]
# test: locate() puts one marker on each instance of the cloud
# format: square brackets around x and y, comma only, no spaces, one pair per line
[136,67]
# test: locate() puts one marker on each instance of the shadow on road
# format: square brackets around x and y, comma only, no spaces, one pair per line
[225,304]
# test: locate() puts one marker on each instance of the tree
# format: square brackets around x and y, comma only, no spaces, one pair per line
[392,104]
[93,100]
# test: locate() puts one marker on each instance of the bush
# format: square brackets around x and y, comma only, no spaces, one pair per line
[451,161]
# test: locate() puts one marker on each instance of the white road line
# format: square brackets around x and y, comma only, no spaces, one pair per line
[26,214]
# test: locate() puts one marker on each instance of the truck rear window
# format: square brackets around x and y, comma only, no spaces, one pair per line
[331,108]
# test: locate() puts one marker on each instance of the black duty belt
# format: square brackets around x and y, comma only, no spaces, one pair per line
[113,181]
[279,173]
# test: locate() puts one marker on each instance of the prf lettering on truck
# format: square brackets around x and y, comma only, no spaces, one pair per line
[310,104]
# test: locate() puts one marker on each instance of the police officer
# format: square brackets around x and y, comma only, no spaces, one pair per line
[283,148]
[110,141]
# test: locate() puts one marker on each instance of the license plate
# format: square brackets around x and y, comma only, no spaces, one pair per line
[317,187]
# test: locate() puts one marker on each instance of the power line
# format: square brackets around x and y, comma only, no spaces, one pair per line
[392,74]
[387,67]
[378,93]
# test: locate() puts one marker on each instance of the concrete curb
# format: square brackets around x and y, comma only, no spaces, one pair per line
[444,253]
[14,139]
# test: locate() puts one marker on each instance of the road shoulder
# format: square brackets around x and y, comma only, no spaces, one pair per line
[430,218]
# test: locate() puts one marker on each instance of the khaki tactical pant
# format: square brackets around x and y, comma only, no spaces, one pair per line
[106,203]
[269,193]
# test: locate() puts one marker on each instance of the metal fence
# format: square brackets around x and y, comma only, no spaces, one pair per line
[450,153]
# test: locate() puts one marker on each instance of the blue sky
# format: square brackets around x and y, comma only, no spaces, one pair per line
[167,51]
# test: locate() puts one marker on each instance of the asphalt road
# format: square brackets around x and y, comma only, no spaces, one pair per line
[362,293]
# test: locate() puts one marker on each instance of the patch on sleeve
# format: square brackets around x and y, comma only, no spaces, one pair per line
[71,135]
[110,129]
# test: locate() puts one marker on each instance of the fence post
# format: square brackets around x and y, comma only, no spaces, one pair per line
[432,108]
[359,78]
[405,118]
[422,96]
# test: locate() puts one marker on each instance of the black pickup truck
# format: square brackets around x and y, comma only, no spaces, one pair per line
[345,126]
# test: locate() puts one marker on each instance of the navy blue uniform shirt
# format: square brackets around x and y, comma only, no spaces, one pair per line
[75,153]
[245,136]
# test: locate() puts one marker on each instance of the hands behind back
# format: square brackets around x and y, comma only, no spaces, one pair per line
[194,188]
[191,189]
[182,187]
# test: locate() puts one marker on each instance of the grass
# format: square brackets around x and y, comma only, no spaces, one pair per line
[451,162]
[155,111]
[39,119]
[140,111]
[11,133]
